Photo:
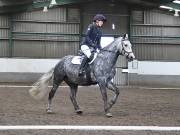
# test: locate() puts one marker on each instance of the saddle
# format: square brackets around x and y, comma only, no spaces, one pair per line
[78,59]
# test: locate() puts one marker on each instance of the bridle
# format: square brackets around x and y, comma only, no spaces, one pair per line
[124,51]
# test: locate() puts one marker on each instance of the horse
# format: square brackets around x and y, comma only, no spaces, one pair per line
[100,72]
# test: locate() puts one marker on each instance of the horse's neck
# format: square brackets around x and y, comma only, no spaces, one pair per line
[110,54]
[113,46]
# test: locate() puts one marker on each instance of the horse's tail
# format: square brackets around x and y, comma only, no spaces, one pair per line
[40,88]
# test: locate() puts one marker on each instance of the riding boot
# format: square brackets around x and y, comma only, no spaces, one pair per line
[83,64]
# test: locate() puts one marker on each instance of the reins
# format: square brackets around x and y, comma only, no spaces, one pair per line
[107,51]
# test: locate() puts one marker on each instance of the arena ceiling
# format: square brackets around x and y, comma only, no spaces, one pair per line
[18,5]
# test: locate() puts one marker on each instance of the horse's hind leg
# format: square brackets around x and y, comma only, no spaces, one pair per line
[74,88]
[51,95]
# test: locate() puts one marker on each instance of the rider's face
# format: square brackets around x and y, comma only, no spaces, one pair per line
[99,23]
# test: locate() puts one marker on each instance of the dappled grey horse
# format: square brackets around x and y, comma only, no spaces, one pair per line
[101,71]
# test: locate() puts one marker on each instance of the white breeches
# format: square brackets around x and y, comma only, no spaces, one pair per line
[86,50]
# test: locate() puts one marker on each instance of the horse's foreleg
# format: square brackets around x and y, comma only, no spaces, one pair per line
[105,99]
[73,93]
[113,88]
[51,95]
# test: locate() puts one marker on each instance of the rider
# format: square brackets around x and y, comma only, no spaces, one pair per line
[91,42]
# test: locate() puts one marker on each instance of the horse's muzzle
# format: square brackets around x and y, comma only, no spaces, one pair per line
[131,57]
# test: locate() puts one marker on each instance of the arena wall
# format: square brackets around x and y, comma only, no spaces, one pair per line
[154,73]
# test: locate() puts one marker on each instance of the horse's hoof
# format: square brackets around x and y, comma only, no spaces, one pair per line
[108,115]
[49,111]
[79,111]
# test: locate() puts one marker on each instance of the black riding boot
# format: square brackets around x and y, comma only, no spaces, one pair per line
[83,64]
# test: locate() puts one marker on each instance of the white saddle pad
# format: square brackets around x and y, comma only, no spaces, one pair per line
[78,59]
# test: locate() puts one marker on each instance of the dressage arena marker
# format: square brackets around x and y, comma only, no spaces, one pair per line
[72,127]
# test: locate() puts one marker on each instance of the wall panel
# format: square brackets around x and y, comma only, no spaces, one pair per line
[156,37]
[48,33]
[4,36]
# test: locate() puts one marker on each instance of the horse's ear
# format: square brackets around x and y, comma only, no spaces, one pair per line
[125,36]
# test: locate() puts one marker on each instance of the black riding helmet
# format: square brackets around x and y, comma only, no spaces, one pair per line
[99,17]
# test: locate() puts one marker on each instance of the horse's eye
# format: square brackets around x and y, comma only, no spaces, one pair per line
[125,45]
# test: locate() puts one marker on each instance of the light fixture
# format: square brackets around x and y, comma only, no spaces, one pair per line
[166,7]
[53,2]
[45,9]
[176,13]
[176,1]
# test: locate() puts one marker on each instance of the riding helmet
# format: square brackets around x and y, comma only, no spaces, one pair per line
[99,17]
